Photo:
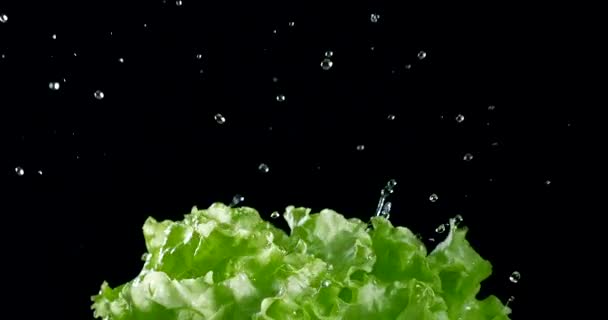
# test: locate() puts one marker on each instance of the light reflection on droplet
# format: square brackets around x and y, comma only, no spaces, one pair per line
[19,171]
[275,79]
[329,54]
[459,118]
[3,18]
[219,118]
[390,117]
[515,277]
[280,97]
[421,55]
[467,157]
[54,36]
[374,17]
[39,172]
[326,64]
[199,56]
[433,197]
[263,168]
[360,147]
[54,86]
[236,200]
[326,283]
[178,3]
[291,23]
[99,95]
[121,60]
[408,66]
[275,215]
[458,219]
[440,228]
[547,182]
[491,108]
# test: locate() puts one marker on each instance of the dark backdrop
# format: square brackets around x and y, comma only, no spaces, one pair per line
[94,169]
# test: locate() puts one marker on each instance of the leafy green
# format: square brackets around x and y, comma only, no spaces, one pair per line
[228,263]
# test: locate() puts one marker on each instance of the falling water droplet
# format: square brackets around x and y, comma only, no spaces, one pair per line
[548,182]
[494,144]
[432,239]
[360,147]
[329,54]
[291,23]
[178,3]
[384,207]
[326,283]
[264,168]
[281,98]
[459,118]
[511,299]
[3,18]
[199,56]
[391,184]
[144,257]
[39,172]
[491,108]
[121,60]
[54,36]
[408,66]
[145,25]
[54,86]
[390,117]
[275,215]
[374,17]
[467,157]
[236,200]
[275,79]
[515,277]
[326,64]
[99,95]
[440,228]
[421,55]
[433,197]
[219,118]
[75,54]
[19,171]
[458,219]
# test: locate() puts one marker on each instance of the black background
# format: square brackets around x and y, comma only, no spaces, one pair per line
[151,146]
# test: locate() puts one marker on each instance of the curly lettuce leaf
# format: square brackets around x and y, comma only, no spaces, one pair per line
[228,263]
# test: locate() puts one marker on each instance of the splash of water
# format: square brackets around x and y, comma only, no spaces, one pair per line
[384,207]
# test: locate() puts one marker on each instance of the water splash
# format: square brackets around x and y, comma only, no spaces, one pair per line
[384,207]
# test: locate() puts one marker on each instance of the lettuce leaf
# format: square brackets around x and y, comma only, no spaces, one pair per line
[228,263]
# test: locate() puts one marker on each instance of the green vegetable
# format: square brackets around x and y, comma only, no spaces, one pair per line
[228,263]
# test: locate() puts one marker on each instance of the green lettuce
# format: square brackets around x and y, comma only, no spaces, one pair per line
[228,263]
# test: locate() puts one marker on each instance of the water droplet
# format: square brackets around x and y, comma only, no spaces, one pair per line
[548,182]
[421,55]
[515,277]
[432,239]
[219,118]
[3,18]
[386,210]
[144,257]
[275,79]
[467,157]
[54,36]
[99,95]
[494,144]
[326,283]
[511,299]
[145,25]
[178,3]
[274,31]
[121,60]
[75,54]
[408,66]
[391,184]
[459,118]
[199,56]
[329,54]
[281,98]
[330,267]
[360,147]
[39,172]
[275,215]
[291,23]
[440,228]
[374,17]
[433,197]
[19,171]
[236,200]
[390,117]
[263,167]
[326,64]
[54,86]
[491,108]
[372,48]
[458,219]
